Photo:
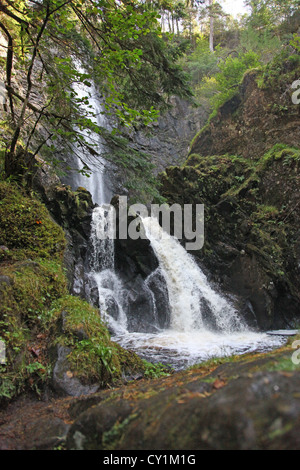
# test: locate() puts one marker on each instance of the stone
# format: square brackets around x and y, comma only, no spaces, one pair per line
[234,407]
[63,381]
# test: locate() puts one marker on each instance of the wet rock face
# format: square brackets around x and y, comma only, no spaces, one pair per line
[168,140]
[72,210]
[147,296]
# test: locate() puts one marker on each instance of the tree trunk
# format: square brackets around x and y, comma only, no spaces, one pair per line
[211,26]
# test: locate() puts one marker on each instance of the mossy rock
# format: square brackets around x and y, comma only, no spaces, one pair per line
[93,358]
[26,227]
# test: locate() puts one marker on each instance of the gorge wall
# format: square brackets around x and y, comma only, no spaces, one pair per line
[244,166]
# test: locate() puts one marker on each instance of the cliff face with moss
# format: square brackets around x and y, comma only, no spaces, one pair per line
[244,167]
[260,115]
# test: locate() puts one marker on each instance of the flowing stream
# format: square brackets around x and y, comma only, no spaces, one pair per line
[189,338]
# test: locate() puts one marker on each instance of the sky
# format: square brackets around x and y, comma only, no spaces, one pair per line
[233,7]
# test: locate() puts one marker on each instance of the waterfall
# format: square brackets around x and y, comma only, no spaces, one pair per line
[199,321]
[102,238]
[189,290]
[93,109]
[110,287]
[203,322]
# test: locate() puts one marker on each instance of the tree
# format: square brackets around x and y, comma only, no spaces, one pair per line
[269,13]
[211,10]
[132,63]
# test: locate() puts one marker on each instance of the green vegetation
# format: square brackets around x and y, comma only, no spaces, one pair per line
[119,48]
[35,304]
[156,370]
[26,227]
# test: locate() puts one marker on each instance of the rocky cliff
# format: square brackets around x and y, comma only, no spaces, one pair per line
[260,115]
[244,166]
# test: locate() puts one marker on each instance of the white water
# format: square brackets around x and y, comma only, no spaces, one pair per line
[193,301]
[102,238]
[95,182]
[188,340]
[110,287]
[187,285]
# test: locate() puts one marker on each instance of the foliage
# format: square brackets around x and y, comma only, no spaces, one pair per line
[230,75]
[222,81]
[264,43]
[202,63]
[269,13]
[26,227]
[156,370]
[295,42]
[117,44]
[280,70]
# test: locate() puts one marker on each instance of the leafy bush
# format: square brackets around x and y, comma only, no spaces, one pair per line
[263,42]
[231,74]
[202,62]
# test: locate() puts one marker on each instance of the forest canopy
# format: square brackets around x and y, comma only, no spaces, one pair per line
[136,53]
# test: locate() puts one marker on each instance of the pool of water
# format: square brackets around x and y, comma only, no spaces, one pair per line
[181,350]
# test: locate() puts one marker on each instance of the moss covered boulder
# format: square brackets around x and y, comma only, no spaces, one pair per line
[84,357]
[241,403]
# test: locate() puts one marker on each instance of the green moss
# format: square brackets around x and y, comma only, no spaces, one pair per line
[93,355]
[26,298]
[284,68]
[130,363]
[257,168]
[26,227]
[33,287]
[281,364]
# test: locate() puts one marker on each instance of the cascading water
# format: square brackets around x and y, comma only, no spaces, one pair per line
[110,288]
[195,306]
[93,109]
[189,290]
[202,322]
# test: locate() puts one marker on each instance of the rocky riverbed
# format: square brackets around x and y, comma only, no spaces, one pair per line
[238,403]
